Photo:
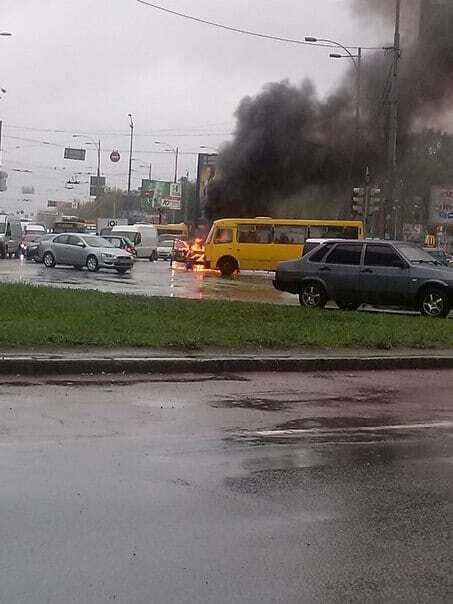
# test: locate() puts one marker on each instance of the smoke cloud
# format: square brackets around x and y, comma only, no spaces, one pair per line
[287,139]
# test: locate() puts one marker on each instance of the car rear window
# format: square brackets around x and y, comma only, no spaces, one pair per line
[345,254]
[319,255]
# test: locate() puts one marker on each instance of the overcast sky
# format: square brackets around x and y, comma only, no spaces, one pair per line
[83,65]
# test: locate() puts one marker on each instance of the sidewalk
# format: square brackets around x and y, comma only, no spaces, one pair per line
[86,360]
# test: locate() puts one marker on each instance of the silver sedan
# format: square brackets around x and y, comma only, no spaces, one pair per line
[84,250]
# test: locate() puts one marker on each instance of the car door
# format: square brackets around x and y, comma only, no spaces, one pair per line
[60,249]
[75,251]
[341,271]
[383,280]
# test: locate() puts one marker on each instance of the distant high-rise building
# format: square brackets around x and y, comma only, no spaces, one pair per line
[436,18]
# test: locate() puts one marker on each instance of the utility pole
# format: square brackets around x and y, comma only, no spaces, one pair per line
[99,157]
[130,165]
[176,164]
[358,99]
[393,125]
[150,170]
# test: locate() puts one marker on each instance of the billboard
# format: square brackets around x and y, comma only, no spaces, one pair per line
[63,205]
[78,154]
[441,205]
[3,177]
[207,164]
[97,185]
[162,194]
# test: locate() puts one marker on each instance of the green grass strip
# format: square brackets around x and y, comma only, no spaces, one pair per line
[33,316]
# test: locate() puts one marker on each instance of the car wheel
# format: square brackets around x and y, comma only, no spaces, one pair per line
[434,303]
[227,266]
[313,295]
[92,264]
[153,256]
[342,305]
[3,252]
[49,260]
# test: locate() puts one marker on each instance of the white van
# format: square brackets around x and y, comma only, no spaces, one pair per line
[10,236]
[143,236]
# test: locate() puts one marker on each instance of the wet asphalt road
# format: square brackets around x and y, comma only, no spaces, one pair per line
[258,489]
[151,278]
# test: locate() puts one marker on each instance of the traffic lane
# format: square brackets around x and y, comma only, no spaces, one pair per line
[173,490]
[159,279]
[152,279]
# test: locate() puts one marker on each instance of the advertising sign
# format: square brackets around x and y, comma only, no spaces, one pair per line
[161,194]
[207,164]
[97,185]
[63,205]
[115,156]
[3,177]
[441,205]
[77,154]
[170,203]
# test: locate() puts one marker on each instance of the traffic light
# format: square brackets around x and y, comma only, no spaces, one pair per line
[358,200]
[375,201]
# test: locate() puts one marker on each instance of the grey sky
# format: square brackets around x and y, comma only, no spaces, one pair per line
[83,65]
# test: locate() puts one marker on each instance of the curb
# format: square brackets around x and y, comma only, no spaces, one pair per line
[216,365]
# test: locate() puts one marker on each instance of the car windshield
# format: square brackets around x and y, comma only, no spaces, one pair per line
[415,254]
[97,242]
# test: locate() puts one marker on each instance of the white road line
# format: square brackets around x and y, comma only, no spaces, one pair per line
[321,431]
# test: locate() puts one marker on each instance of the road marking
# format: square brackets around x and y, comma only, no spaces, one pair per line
[318,431]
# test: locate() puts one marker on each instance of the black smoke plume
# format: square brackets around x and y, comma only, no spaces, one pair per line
[288,140]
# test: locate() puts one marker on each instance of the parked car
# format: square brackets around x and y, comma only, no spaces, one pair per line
[122,243]
[165,247]
[30,242]
[381,273]
[143,236]
[84,250]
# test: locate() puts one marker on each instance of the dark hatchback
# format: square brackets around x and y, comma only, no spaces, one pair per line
[380,273]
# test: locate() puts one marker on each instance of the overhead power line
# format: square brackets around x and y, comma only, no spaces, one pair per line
[248,32]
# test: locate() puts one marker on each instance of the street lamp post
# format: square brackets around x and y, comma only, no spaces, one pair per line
[174,150]
[357,61]
[97,143]
[131,125]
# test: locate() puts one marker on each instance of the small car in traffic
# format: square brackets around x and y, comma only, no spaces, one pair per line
[379,273]
[80,251]
[30,242]
[122,243]
[165,246]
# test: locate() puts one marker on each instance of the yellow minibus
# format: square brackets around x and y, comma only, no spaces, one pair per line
[256,244]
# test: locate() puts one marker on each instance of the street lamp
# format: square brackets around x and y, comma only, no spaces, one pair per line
[357,61]
[174,150]
[92,142]
[131,126]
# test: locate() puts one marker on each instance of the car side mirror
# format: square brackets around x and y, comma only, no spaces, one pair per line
[400,264]
[81,244]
